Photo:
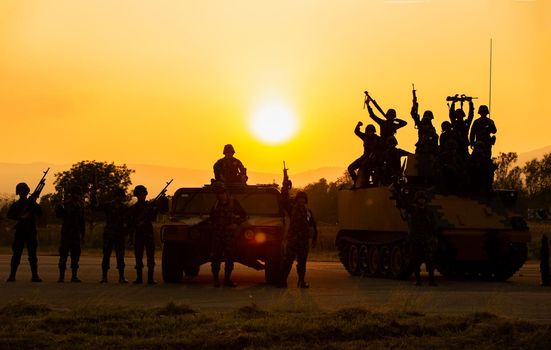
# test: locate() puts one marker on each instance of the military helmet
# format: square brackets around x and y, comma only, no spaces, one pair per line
[21,188]
[140,190]
[302,194]
[228,149]
[483,110]
[370,128]
[446,125]
[391,113]
[428,115]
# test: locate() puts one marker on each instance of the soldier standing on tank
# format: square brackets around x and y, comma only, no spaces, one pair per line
[302,228]
[460,125]
[114,233]
[229,169]
[368,161]
[427,142]
[225,216]
[482,130]
[422,230]
[140,218]
[387,126]
[71,213]
[544,262]
[482,169]
[24,211]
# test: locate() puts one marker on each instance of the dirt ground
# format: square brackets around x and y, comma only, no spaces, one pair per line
[332,288]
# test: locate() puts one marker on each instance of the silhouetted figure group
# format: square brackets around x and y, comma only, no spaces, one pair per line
[444,160]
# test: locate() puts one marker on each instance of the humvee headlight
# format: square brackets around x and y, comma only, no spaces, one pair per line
[249,234]
[260,237]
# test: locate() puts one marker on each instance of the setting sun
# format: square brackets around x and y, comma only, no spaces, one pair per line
[273,122]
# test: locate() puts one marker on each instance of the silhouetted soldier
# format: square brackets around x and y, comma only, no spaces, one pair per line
[392,165]
[71,213]
[368,161]
[302,228]
[422,230]
[447,134]
[230,169]
[225,216]
[544,262]
[482,130]
[114,233]
[461,126]
[481,169]
[24,211]
[427,142]
[141,215]
[451,168]
[387,126]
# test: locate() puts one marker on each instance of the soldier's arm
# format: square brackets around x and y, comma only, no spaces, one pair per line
[471,113]
[415,114]
[452,112]
[472,134]
[217,168]
[373,116]
[358,132]
[492,128]
[399,123]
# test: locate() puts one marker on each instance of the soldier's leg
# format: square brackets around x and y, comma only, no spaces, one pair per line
[17,250]
[106,260]
[150,251]
[302,256]
[138,253]
[287,265]
[119,251]
[75,258]
[355,165]
[228,264]
[216,259]
[63,254]
[32,246]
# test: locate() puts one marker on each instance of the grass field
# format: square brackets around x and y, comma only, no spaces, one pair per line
[28,326]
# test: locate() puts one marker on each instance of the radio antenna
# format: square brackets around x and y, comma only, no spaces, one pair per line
[490,92]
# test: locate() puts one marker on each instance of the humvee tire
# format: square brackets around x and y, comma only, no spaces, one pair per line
[172,265]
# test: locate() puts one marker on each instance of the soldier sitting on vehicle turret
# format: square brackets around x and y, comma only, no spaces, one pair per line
[229,169]
[368,161]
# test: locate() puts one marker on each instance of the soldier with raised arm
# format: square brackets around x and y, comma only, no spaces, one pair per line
[427,142]
[387,126]
[368,160]
[460,125]
[24,211]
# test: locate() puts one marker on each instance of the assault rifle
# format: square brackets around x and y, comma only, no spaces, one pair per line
[369,98]
[36,193]
[163,191]
[287,184]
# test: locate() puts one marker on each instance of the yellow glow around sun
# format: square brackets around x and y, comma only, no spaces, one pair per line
[273,122]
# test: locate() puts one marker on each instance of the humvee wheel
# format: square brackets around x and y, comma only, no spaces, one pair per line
[172,263]
[353,260]
[397,265]
[363,255]
[373,261]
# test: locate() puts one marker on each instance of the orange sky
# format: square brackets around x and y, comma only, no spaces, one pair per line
[170,82]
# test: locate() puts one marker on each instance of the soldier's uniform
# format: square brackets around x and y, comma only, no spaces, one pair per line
[368,161]
[224,217]
[114,234]
[302,228]
[427,142]
[461,127]
[388,126]
[24,211]
[422,235]
[392,166]
[482,130]
[73,225]
[481,169]
[229,169]
[140,218]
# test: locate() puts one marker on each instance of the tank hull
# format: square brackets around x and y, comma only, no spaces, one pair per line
[477,237]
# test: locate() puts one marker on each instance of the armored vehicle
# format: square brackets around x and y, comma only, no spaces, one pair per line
[479,236]
[258,241]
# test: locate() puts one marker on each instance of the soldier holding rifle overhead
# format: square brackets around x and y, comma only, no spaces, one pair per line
[389,125]
[459,124]
[25,211]
[428,138]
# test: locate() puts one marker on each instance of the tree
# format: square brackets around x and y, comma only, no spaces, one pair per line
[507,175]
[538,180]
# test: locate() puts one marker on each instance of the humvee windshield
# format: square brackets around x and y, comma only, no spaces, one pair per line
[200,203]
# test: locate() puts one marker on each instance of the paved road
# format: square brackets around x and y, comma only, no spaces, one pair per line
[331,288]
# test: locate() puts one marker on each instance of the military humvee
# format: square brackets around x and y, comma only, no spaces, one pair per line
[479,236]
[258,241]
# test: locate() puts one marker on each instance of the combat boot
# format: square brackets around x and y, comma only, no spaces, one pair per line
[61,275]
[302,284]
[13,271]
[139,277]
[122,279]
[34,271]
[216,280]
[103,276]
[151,276]
[74,277]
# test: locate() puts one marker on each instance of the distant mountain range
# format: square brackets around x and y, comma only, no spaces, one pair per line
[154,176]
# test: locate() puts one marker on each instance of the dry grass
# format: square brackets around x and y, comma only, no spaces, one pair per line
[179,327]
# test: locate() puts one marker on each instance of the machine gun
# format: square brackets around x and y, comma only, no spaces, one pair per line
[161,199]
[36,193]
[460,98]
[369,98]
[287,184]
[163,191]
